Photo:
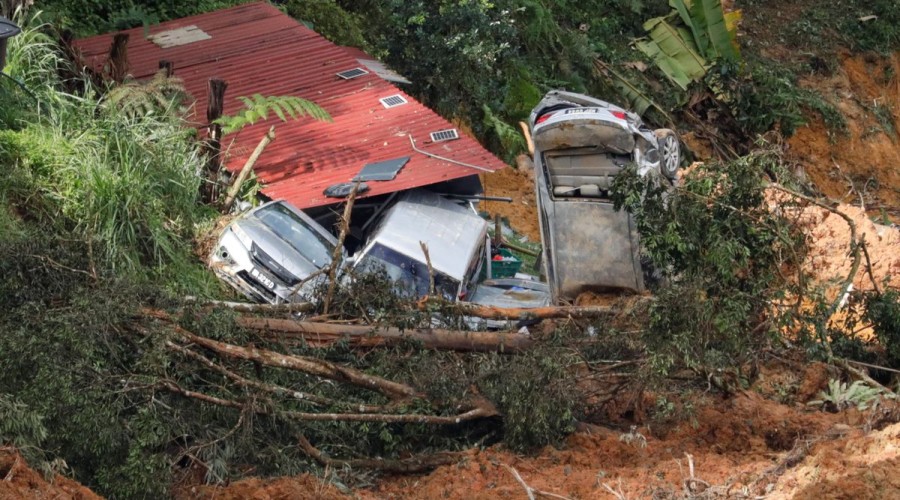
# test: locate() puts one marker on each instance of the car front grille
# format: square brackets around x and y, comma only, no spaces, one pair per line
[265,261]
[257,286]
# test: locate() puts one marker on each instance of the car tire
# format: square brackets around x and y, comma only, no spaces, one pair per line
[669,152]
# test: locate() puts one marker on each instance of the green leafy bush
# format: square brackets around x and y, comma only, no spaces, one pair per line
[531,390]
[883,311]
[722,252]
[841,396]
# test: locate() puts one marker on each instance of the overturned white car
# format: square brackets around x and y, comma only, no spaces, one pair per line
[580,145]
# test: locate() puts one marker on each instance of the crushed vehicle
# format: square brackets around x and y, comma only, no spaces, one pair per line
[269,253]
[580,145]
[458,248]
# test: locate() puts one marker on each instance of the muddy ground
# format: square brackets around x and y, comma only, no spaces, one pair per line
[742,446]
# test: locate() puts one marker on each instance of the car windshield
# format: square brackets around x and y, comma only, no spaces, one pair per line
[409,274]
[297,233]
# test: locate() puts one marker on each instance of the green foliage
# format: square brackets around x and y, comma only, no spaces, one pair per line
[767,97]
[676,57]
[330,20]
[154,96]
[21,428]
[883,311]
[89,17]
[123,180]
[31,56]
[530,390]
[684,55]
[63,355]
[258,107]
[881,34]
[840,396]
[721,250]
[510,137]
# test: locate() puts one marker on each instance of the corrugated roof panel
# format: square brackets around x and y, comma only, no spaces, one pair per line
[256,48]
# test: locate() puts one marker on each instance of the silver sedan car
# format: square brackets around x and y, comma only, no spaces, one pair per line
[269,253]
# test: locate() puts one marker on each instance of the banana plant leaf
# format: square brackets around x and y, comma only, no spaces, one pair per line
[701,38]
[708,16]
[731,22]
[675,56]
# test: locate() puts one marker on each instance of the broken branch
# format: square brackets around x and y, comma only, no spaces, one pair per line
[404,466]
[476,413]
[252,308]
[531,492]
[338,249]
[312,366]
[246,169]
[270,388]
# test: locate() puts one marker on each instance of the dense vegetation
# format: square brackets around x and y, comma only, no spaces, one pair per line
[99,207]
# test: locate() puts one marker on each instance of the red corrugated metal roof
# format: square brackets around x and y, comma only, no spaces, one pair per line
[258,49]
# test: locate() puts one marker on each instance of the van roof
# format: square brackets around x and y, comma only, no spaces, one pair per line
[452,232]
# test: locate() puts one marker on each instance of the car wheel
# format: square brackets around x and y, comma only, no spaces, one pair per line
[670,152]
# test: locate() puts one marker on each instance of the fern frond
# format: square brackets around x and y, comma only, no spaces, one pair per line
[257,107]
[136,98]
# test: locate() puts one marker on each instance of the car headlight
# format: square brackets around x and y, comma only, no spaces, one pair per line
[223,254]
[242,235]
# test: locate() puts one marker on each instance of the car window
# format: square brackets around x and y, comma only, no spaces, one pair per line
[410,274]
[295,231]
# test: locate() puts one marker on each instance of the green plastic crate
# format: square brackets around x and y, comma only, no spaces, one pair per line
[506,268]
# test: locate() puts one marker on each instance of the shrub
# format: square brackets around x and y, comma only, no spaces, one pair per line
[883,311]
[721,250]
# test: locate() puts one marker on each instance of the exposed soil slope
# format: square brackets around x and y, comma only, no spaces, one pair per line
[862,165]
[17,480]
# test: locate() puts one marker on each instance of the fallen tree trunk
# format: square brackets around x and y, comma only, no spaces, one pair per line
[549,312]
[325,334]
[247,307]
[276,389]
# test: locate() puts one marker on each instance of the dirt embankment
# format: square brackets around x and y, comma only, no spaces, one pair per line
[518,184]
[18,481]
[862,165]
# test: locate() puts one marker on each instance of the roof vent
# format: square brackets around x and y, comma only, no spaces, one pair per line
[352,73]
[179,36]
[392,101]
[444,135]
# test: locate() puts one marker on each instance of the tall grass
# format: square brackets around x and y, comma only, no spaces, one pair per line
[127,184]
